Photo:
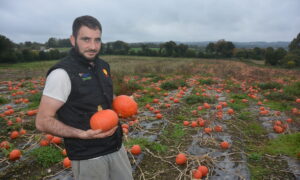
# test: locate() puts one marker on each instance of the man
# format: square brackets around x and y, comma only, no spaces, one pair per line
[75,88]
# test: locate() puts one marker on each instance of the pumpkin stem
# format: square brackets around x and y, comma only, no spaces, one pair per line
[100,108]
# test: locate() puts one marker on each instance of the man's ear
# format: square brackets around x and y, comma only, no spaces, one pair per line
[72,40]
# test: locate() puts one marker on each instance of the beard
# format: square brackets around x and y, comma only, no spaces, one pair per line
[83,56]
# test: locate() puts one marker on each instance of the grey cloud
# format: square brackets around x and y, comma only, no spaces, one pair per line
[143,20]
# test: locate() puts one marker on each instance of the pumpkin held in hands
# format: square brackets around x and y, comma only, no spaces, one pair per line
[125,106]
[104,120]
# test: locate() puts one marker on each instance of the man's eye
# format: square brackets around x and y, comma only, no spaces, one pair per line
[86,39]
[98,40]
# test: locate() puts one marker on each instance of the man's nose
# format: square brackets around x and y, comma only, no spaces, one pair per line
[93,45]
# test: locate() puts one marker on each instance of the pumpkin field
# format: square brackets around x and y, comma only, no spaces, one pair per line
[197,119]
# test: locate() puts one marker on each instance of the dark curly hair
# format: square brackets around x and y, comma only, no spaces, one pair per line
[87,21]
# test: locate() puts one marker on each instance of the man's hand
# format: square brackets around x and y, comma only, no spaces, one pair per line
[93,134]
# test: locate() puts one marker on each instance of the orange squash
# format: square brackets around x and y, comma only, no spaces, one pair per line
[218,128]
[125,126]
[181,159]
[67,163]
[14,154]
[186,123]
[56,140]
[44,142]
[194,124]
[14,134]
[125,106]
[125,130]
[49,137]
[23,131]
[159,116]
[64,152]
[197,174]
[135,150]
[203,170]
[230,111]
[5,145]
[224,145]
[207,130]
[104,120]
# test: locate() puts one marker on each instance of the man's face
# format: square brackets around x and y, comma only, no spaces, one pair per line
[87,42]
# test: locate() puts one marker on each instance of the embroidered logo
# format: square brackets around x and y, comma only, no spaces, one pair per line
[105,72]
[85,76]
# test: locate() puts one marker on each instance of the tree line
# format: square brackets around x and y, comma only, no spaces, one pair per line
[32,51]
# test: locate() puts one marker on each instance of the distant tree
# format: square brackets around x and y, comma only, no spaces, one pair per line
[295,44]
[5,44]
[270,57]
[7,51]
[279,55]
[28,44]
[54,54]
[292,58]
[190,53]
[181,50]
[64,43]
[146,51]
[43,55]
[168,48]
[201,54]
[242,54]
[120,47]
[28,55]
[224,48]
[52,43]
[210,48]
[258,53]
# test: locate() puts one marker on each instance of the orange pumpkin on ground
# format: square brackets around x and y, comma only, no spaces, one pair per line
[14,134]
[14,154]
[125,126]
[201,123]
[49,136]
[64,152]
[56,140]
[230,111]
[224,145]
[207,130]
[125,106]
[159,116]
[197,174]
[278,129]
[203,169]
[289,120]
[44,142]
[181,159]
[104,120]
[218,128]
[125,130]
[23,131]
[194,124]
[135,150]
[5,145]
[186,123]
[67,163]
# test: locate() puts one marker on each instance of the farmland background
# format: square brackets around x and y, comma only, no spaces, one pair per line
[193,81]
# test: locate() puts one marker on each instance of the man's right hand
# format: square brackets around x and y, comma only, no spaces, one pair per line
[94,134]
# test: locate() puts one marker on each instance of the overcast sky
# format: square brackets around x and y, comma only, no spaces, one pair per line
[154,20]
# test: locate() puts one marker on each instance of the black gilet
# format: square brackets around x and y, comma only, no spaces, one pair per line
[91,86]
